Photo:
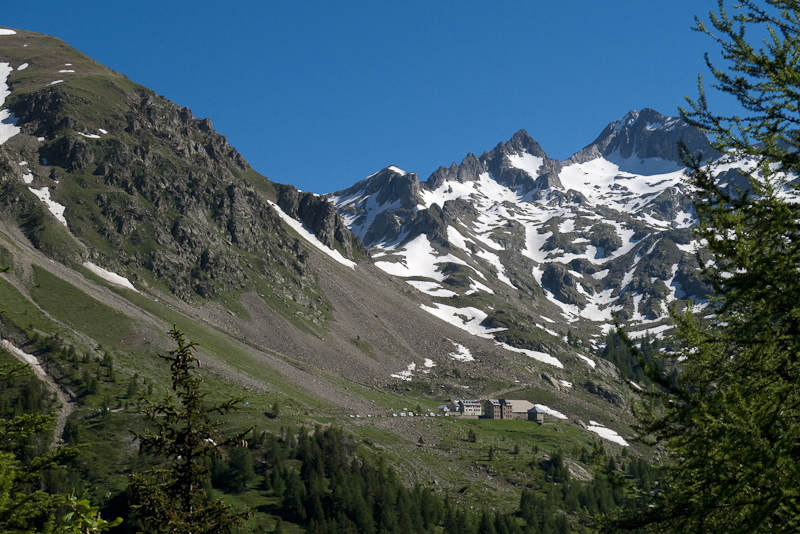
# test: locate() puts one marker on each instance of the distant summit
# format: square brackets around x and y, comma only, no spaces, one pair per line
[645,135]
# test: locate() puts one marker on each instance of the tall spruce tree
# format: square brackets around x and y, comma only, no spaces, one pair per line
[172,498]
[731,422]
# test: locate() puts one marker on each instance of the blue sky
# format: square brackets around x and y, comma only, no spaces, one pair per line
[321,94]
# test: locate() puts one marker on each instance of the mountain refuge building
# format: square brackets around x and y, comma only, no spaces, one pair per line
[467,407]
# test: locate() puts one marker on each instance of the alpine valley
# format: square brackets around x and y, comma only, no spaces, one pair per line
[122,214]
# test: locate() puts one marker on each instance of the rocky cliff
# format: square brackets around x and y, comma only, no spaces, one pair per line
[149,190]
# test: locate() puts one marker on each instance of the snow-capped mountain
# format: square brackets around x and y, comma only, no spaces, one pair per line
[607,231]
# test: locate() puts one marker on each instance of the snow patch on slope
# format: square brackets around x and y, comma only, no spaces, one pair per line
[606,433]
[468,319]
[528,163]
[109,276]
[550,411]
[309,236]
[418,259]
[461,354]
[30,359]
[406,374]
[431,288]
[536,355]
[55,208]
[8,122]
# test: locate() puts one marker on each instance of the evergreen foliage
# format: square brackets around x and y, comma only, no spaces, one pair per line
[27,505]
[185,434]
[24,507]
[730,420]
[617,352]
[323,485]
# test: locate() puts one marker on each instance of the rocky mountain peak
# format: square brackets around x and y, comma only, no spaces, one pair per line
[519,143]
[645,135]
[580,242]
[522,163]
[373,201]
[389,185]
[522,142]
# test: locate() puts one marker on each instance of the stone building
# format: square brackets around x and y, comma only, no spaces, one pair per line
[536,414]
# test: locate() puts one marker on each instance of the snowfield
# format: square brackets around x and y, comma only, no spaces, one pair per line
[468,319]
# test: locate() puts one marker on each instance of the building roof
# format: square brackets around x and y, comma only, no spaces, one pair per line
[521,406]
[494,401]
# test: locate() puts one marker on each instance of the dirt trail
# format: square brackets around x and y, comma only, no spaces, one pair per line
[66,400]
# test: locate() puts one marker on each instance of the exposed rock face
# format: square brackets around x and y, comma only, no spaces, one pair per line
[557,278]
[552,382]
[158,190]
[605,236]
[605,393]
[320,217]
[650,134]
[71,152]
[469,171]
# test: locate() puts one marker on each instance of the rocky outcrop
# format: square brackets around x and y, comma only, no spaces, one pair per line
[604,236]
[320,217]
[557,279]
[70,151]
[469,171]
[691,283]
[605,393]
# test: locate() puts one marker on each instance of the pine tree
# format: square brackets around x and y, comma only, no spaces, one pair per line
[185,435]
[730,419]
[242,468]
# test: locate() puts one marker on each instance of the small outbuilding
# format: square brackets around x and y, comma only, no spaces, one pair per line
[536,414]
